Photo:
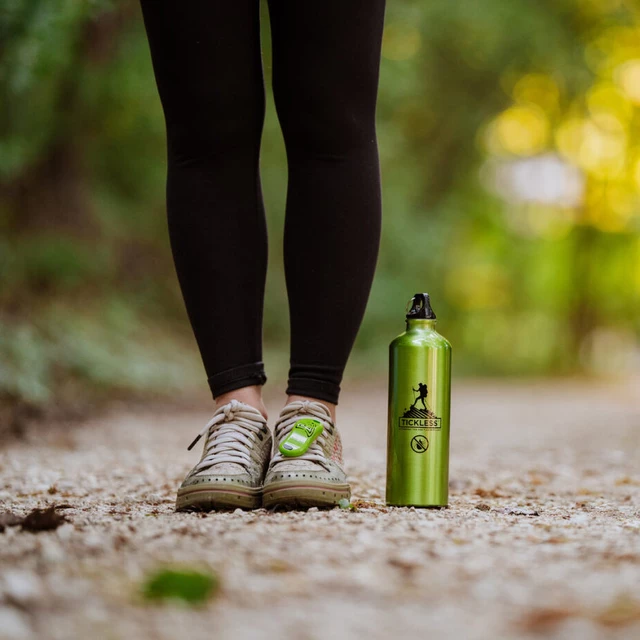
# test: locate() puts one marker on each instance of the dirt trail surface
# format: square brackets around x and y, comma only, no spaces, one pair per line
[542,536]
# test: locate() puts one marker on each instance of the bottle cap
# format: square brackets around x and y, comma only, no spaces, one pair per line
[420,308]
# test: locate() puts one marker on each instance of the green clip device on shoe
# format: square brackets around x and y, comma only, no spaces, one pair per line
[302,436]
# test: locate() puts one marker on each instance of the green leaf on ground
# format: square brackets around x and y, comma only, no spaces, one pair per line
[345,504]
[186,585]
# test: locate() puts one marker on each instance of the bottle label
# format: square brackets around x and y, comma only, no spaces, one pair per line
[419,415]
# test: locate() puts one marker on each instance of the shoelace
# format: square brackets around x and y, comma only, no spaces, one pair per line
[230,434]
[291,414]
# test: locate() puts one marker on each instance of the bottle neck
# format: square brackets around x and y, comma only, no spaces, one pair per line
[420,324]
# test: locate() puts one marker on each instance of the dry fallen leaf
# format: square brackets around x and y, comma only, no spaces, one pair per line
[626,480]
[43,520]
[367,504]
[538,479]
[623,611]
[542,621]
[489,493]
[583,491]
[405,564]
[613,557]
[277,565]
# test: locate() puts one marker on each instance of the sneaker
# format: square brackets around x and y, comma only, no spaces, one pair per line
[306,466]
[236,455]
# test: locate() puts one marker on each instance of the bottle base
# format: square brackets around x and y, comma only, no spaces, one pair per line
[419,506]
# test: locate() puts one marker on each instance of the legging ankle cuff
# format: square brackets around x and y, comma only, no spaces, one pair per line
[316,381]
[236,378]
[314,389]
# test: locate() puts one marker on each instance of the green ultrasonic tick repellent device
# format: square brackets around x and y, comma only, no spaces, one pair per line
[302,436]
[418,416]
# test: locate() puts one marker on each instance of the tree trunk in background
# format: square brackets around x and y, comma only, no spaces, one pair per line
[54,193]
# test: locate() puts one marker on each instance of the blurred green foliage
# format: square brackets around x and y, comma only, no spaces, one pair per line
[511,177]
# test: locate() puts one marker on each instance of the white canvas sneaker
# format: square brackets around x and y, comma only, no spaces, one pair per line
[234,460]
[306,465]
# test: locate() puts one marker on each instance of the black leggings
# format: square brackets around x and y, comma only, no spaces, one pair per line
[207,63]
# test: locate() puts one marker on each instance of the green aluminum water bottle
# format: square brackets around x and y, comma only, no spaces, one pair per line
[419,407]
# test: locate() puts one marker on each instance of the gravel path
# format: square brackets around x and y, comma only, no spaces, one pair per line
[542,536]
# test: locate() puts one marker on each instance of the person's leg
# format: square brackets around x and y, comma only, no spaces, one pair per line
[326,58]
[207,62]
[325,64]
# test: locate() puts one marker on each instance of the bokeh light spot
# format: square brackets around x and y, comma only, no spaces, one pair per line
[598,151]
[628,77]
[520,130]
[608,105]
[636,174]
[602,153]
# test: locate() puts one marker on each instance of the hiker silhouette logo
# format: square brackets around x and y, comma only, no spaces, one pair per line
[418,415]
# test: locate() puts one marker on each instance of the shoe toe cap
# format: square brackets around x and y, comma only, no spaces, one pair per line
[212,480]
[333,476]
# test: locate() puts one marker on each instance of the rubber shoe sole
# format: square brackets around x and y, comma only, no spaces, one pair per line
[218,498]
[304,495]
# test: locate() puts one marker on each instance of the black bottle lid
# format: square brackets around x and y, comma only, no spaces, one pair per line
[421,308]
